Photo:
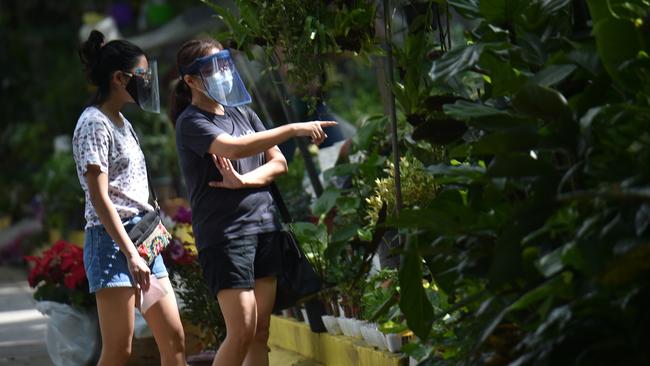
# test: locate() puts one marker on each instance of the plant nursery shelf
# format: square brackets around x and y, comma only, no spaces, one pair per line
[328,349]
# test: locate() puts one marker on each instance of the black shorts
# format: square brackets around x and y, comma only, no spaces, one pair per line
[236,263]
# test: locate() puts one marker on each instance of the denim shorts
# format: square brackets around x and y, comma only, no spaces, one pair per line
[104,262]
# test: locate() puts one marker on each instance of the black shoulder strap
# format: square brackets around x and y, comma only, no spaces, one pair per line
[275,191]
[151,190]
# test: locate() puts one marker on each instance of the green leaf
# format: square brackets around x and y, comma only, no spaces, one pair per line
[617,40]
[342,234]
[551,263]
[552,75]
[507,141]
[551,6]
[326,201]
[545,290]
[439,131]
[341,170]
[370,128]
[504,79]
[414,302]
[467,8]
[456,61]
[545,103]
[502,11]
[520,165]
[465,110]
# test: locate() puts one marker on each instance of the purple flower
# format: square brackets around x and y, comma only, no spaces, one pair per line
[183,216]
[175,250]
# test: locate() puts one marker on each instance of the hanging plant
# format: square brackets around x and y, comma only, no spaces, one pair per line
[300,36]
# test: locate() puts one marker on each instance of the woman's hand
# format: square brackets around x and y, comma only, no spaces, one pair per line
[313,130]
[231,178]
[139,270]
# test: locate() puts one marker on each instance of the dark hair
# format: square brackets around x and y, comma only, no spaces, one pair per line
[101,60]
[181,95]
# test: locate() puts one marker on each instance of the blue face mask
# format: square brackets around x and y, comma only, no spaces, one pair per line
[220,78]
[218,85]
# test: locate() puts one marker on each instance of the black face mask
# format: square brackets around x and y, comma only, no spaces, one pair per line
[132,89]
[145,91]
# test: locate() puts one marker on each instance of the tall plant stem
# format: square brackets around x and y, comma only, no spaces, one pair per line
[391,110]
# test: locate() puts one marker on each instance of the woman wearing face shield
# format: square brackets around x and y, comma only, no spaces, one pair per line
[112,173]
[228,160]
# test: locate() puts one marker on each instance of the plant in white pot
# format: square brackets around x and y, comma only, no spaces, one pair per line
[58,275]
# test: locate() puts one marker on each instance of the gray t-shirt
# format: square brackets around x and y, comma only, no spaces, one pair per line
[219,214]
[98,141]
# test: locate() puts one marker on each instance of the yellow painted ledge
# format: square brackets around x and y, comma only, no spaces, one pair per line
[328,349]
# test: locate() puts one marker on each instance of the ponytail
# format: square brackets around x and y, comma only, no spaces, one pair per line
[181,97]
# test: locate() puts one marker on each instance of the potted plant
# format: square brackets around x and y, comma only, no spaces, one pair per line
[59,277]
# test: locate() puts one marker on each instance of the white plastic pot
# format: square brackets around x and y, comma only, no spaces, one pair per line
[331,324]
[346,326]
[394,342]
[304,315]
[380,339]
[356,327]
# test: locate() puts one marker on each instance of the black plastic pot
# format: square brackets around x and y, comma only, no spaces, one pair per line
[315,310]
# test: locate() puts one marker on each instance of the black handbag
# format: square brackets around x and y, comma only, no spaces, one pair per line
[298,279]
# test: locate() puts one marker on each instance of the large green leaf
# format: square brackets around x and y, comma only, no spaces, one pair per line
[440,131]
[502,11]
[456,61]
[545,103]
[467,8]
[414,302]
[518,165]
[506,141]
[552,75]
[465,110]
[503,77]
[551,6]
[617,40]
[326,201]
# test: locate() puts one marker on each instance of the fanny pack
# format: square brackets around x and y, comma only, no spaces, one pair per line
[149,235]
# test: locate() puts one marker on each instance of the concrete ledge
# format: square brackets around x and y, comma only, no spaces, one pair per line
[327,349]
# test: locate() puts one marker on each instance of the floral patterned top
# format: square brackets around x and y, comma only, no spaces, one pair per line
[98,141]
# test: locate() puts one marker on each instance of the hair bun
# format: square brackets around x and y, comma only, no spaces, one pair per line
[90,52]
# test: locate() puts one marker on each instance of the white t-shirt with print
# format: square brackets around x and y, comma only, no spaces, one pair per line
[98,141]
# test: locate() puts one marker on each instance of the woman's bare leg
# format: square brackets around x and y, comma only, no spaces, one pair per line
[166,326]
[115,307]
[258,351]
[239,311]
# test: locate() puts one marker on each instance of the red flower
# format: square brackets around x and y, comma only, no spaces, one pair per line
[62,264]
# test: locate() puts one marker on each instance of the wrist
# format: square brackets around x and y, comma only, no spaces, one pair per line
[293,129]
[245,181]
[133,253]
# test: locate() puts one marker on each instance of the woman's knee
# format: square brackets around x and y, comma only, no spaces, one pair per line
[262,332]
[243,336]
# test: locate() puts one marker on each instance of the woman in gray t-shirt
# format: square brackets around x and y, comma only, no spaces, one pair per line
[233,217]
[112,173]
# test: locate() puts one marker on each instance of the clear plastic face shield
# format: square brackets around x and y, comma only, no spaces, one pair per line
[143,87]
[220,79]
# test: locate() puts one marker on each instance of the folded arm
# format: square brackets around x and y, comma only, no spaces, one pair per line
[262,176]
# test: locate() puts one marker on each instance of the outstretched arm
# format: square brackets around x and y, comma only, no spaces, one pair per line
[234,148]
